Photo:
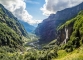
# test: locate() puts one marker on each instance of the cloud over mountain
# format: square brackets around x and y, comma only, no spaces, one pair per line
[18,8]
[52,6]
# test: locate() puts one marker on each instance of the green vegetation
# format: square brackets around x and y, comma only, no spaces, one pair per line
[32,54]
[8,37]
[76,39]
[12,22]
[11,31]
[74,55]
[73,49]
[13,39]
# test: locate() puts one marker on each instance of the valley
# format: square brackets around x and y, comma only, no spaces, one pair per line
[59,37]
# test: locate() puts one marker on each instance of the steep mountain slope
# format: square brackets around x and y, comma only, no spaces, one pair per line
[72,50]
[11,31]
[47,30]
[8,18]
[29,28]
[75,32]
[70,39]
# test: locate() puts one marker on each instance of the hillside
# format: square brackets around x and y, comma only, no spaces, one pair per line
[8,18]
[11,31]
[74,37]
[72,46]
[47,30]
[60,36]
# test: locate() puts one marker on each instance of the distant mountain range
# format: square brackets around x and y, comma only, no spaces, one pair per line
[29,28]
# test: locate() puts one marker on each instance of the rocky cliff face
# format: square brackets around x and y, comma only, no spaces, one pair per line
[71,32]
[63,35]
[47,30]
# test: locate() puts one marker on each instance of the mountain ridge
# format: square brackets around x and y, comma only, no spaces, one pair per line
[47,30]
[29,28]
[11,30]
[67,35]
[9,18]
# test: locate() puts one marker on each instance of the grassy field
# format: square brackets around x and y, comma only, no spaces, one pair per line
[75,55]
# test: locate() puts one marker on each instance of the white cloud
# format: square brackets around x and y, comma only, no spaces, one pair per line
[35,22]
[18,8]
[52,6]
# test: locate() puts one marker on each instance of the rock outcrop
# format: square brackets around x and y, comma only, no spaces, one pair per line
[63,34]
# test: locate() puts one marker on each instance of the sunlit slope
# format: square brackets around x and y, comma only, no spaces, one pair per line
[75,55]
[73,49]
[11,31]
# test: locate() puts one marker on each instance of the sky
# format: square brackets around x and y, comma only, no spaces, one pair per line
[35,11]
[33,7]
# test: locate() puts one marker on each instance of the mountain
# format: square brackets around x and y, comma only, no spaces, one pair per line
[47,30]
[11,30]
[29,28]
[67,34]
[70,34]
